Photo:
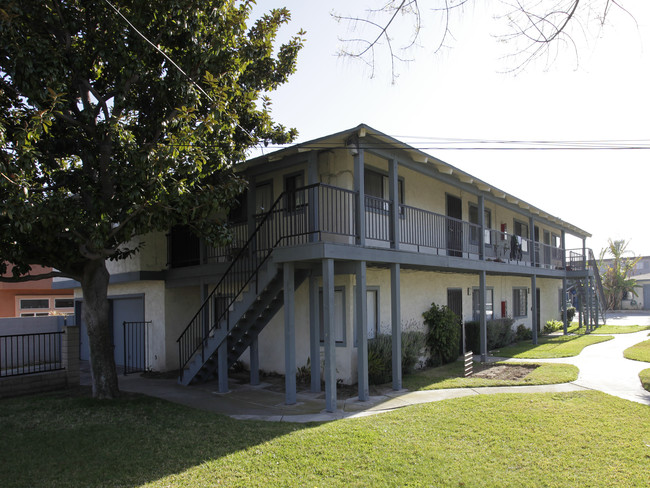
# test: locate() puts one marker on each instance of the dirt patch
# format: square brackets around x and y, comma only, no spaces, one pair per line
[505,372]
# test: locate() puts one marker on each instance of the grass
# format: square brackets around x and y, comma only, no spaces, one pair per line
[451,376]
[498,440]
[551,347]
[639,352]
[644,376]
[609,329]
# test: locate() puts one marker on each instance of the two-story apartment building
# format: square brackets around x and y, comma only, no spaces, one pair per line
[337,240]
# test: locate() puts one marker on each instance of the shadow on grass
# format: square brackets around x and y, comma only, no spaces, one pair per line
[69,439]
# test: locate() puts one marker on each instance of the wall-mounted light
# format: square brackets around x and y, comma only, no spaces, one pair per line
[352,145]
[469,291]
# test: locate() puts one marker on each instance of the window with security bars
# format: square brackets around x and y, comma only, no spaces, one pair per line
[519,302]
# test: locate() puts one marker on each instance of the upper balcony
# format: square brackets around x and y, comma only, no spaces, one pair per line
[324,213]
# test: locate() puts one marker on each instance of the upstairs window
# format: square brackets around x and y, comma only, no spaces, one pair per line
[377,185]
[295,197]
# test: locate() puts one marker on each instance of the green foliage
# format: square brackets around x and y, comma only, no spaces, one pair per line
[644,376]
[102,138]
[113,128]
[552,326]
[499,333]
[443,335]
[616,275]
[523,333]
[380,353]
[570,313]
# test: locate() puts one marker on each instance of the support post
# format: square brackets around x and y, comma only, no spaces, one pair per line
[314,332]
[329,339]
[222,365]
[396,326]
[289,334]
[312,196]
[360,190]
[255,361]
[483,316]
[394,201]
[565,317]
[362,330]
[533,308]
[481,222]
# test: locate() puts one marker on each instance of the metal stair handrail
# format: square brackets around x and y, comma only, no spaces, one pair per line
[599,284]
[246,263]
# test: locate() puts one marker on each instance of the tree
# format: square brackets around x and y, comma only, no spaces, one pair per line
[616,272]
[539,29]
[119,122]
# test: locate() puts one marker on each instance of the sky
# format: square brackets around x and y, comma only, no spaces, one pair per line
[465,91]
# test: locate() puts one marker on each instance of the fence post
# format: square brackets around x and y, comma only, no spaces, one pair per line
[70,354]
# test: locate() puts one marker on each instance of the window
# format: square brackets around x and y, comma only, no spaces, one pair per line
[377,185]
[521,229]
[31,303]
[339,316]
[238,212]
[263,197]
[295,196]
[63,303]
[473,219]
[555,239]
[372,314]
[519,302]
[489,304]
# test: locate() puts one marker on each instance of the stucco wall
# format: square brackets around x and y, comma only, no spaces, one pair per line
[151,257]
[418,290]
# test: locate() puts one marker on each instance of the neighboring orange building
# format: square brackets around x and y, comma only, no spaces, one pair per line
[34,298]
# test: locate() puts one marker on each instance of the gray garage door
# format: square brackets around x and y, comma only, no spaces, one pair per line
[128,309]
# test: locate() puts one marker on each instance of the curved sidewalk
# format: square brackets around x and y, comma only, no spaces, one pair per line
[602,367]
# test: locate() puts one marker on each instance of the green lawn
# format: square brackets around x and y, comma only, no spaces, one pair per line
[451,376]
[644,376]
[639,352]
[503,440]
[609,329]
[550,347]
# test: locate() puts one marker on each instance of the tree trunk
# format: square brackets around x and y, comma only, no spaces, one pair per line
[95,312]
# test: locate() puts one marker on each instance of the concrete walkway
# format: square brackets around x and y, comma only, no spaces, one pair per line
[602,367]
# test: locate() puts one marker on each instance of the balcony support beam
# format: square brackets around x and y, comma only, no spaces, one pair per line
[362,330]
[565,319]
[359,188]
[393,192]
[396,328]
[534,307]
[328,333]
[481,223]
[289,334]
[483,316]
[314,332]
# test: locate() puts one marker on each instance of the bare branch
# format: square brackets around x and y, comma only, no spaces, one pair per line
[23,278]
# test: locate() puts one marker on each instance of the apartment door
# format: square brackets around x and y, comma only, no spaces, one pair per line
[454,226]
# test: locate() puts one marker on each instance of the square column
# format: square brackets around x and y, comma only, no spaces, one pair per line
[328,332]
[362,330]
[360,190]
[314,333]
[396,328]
[255,361]
[289,335]
[534,305]
[483,316]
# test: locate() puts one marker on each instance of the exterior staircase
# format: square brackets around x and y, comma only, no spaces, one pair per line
[242,303]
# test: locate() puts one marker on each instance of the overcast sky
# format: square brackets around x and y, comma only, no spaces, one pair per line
[461,92]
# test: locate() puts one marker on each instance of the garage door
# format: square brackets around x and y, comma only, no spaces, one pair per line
[128,309]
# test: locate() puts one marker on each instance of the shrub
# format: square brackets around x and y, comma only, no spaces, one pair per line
[523,333]
[552,326]
[499,334]
[380,354]
[570,313]
[443,335]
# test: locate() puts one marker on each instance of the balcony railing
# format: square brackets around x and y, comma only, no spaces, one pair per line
[324,213]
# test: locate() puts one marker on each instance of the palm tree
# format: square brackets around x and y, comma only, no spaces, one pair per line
[616,274]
